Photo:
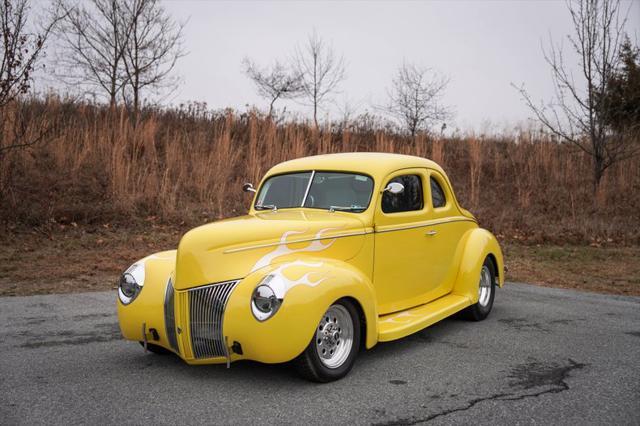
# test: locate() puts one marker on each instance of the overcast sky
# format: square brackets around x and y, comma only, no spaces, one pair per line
[483,46]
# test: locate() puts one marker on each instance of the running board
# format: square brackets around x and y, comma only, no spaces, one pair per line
[400,324]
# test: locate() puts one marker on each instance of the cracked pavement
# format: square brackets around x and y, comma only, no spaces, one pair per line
[543,356]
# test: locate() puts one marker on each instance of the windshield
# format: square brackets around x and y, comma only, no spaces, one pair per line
[319,190]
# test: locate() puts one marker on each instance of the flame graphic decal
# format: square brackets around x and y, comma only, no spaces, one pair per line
[281,284]
[282,249]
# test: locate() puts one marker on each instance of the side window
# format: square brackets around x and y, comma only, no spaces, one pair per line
[410,199]
[437,194]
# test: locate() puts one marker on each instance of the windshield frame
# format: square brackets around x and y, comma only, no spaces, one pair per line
[313,172]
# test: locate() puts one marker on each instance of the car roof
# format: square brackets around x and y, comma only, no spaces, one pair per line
[375,164]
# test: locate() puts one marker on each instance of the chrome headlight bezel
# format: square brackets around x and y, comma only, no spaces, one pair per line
[130,283]
[265,301]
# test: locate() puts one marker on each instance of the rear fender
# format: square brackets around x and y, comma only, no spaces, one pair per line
[479,244]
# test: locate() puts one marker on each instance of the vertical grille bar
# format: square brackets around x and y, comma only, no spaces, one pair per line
[215,309]
[206,313]
[223,344]
[211,314]
[170,317]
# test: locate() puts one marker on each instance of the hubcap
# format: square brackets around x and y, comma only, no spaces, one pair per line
[334,336]
[484,290]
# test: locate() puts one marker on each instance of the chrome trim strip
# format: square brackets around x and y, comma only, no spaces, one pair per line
[425,224]
[306,192]
[352,234]
[304,240]
[170,317]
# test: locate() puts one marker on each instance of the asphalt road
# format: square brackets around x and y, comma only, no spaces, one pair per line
[544,356]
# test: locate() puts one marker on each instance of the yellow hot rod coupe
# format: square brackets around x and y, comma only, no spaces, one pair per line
[338,252]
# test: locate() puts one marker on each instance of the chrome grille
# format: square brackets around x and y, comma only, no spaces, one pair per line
[170,317]
[206,309]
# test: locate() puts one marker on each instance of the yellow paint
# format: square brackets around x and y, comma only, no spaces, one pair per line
[399,324]
[148,306]
[403,278]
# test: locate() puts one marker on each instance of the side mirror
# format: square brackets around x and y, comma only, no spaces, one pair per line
[247,187]
[394,188]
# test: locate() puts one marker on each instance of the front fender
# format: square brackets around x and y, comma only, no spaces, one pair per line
[313,285]
[148,307]
[479,244]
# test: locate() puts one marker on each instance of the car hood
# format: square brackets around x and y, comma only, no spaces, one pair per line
[231,249]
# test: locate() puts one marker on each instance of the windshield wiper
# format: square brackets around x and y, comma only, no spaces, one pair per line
[353,208]
[272,207]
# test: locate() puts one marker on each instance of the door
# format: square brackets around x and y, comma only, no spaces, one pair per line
[418,241]
[400,270]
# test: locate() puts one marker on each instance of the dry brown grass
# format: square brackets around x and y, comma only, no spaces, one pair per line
[101,193]
[187,166]
[31,262]
[75,259]
[612,270]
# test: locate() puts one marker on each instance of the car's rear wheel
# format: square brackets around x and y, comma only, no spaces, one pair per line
[486,293]
[334,346]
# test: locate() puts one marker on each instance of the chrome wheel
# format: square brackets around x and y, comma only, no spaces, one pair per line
[484,289]
[334,336]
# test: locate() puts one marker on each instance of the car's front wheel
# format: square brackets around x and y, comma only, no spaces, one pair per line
[334,346]
[486,293]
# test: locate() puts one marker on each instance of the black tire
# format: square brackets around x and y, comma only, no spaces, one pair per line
[479,311]
[309,364]
[158,350]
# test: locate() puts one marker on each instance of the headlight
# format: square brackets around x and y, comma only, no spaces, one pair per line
[130,283]
[264,301]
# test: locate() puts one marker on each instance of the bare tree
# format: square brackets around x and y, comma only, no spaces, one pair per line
[94,36]
[152,50]
[321,72]
[578,112]
[22,47]
[415,98]
[275,82]
[21,50]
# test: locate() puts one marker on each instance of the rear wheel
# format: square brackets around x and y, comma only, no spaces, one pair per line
[486,293]
[334,346]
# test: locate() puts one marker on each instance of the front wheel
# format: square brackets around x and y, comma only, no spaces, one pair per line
[486,293]
[334,346]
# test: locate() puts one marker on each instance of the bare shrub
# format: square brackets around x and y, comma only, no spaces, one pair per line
[321,71]
[274,82]
[415,98]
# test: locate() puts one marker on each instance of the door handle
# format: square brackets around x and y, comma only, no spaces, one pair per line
[431,233]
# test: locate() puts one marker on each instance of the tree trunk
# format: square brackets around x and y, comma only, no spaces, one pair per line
[112,96]
[273,101]
[598,172]
[315,112]
[136,104]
